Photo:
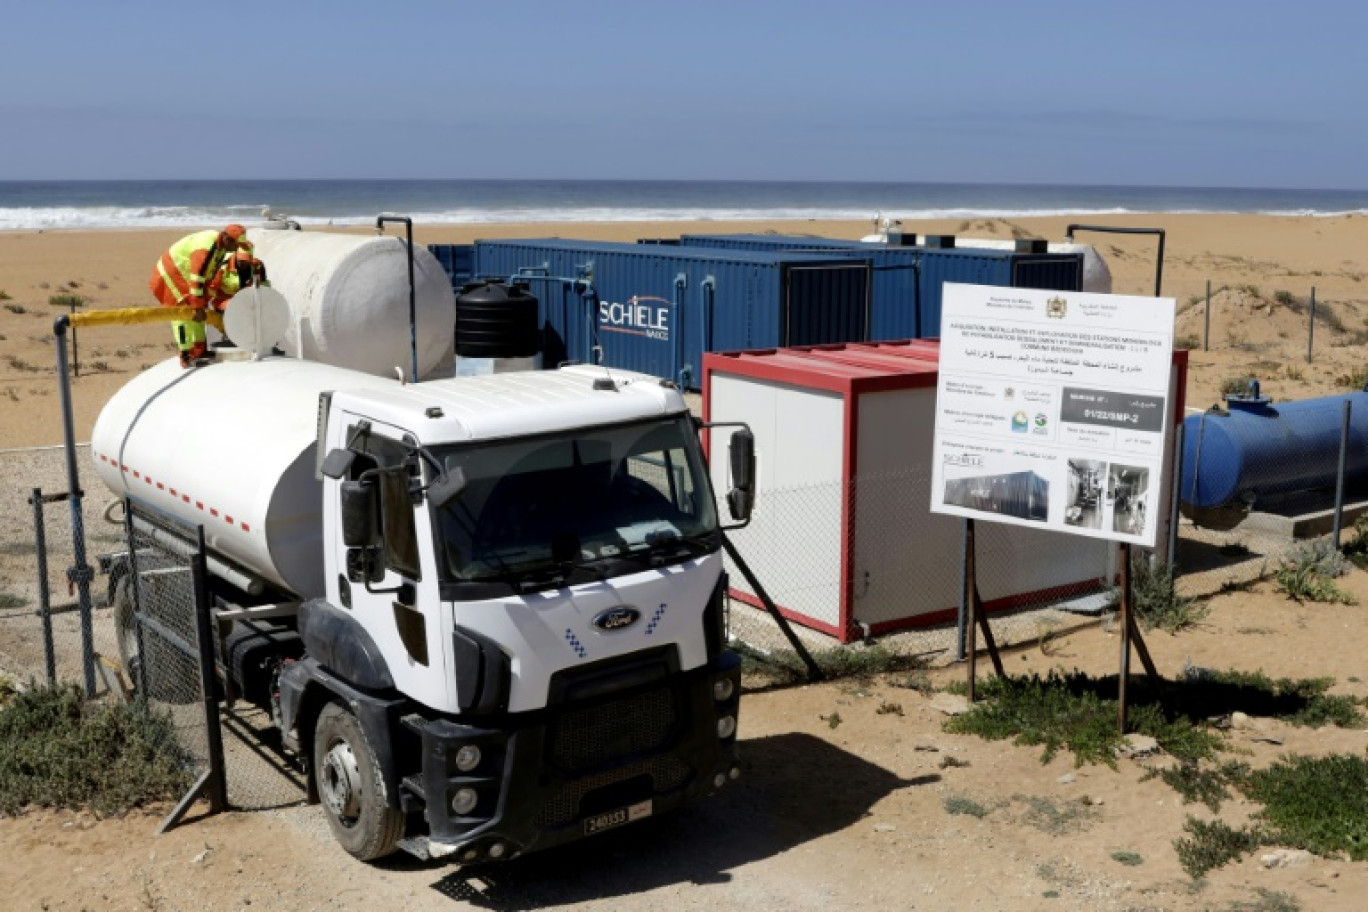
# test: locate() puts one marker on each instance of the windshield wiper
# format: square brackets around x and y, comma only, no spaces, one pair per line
[672,546]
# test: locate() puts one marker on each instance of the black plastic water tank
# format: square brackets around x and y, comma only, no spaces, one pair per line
[496,320]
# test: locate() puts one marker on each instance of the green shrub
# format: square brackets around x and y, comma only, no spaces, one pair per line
[1309,572]
[66,299]
[1156,599]
[1210,845]
[1315,803]
[58,751]
[1236,385]
[959,805]
[1076,712]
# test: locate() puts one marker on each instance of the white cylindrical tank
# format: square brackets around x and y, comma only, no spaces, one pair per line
[349,300]
[229,446]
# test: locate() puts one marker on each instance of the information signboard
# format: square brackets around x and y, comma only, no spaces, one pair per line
[1053,409]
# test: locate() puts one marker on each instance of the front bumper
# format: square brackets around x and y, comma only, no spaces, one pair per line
[609,757]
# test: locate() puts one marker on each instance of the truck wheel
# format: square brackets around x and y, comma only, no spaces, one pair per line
[350,787]
[126,630]
[172,676]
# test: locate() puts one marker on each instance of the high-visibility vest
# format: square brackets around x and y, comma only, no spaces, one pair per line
[182,273]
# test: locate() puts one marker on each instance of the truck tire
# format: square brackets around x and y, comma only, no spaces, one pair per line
[350,787]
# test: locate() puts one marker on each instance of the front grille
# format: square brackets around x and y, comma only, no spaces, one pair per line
[584,738]
[666,773]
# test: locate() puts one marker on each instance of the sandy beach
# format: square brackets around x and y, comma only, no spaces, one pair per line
[1261,270]
[888,830]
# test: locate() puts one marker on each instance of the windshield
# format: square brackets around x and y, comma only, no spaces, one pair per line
[572,500]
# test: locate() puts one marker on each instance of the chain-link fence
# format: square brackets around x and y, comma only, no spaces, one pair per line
[160,613]
[865,559]
[1260,481]
[177,642]
[140,635]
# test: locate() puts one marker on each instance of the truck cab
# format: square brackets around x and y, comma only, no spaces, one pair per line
[520,639]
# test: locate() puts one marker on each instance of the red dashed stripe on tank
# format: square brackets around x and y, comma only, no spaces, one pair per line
[173,493]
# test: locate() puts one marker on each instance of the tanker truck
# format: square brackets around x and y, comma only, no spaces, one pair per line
[493,606]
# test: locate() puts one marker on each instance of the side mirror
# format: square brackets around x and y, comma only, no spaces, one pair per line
[447,488]
[360,528]
[741,498]
[337,463]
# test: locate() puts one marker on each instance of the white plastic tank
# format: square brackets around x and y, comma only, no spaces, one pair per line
[230,446]
[1096,276]
[349,297]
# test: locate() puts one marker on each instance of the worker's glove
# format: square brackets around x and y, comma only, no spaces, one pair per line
[199,315]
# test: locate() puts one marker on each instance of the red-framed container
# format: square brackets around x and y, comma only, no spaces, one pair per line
[843,537]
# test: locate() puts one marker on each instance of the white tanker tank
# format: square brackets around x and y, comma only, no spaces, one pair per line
[349,299]
[232,448]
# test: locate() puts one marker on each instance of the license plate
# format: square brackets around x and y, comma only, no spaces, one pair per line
[600,822]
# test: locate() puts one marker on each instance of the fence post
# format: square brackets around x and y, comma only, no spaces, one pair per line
[1176,499]
[961,622]
[1311,327]
[1339,471]
[204,627]
[44,595]
[1206,331]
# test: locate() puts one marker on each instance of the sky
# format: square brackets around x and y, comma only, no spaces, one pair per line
[1196,93]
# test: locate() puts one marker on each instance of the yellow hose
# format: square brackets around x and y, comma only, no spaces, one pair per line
[128,316]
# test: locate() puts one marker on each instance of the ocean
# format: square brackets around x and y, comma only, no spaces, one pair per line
[30,205]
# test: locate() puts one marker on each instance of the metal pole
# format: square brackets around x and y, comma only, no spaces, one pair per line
[44,596]
[965,597]
[1339,471]
[971,632]
[1176,499]
[204,624]
[413,294]
[1206,332]
[1311,327]
[137,677]
[80,573]
[75,352]
[1125,621]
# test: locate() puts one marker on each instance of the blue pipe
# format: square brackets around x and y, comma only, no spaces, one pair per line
[680,370]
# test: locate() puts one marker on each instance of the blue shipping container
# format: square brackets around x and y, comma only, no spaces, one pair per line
[457,261]
[893,311]
[656,309]
[906,297]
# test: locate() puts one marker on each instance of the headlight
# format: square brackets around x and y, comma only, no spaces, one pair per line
[723,688]
[467,758]
[464,801]
[726,727]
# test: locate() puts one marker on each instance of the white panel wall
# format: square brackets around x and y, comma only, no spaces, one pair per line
[794,540]
[907,559]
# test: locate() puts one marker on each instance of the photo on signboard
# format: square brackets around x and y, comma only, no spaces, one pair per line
[1128,492]
[1087,482]
[1024,495]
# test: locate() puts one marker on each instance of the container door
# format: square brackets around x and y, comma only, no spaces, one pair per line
[1063,272]
[824,304]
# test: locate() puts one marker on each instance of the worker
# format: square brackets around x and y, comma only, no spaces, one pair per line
[181,278]
[239,271]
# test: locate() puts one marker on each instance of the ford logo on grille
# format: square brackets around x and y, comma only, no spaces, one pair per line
[619,618]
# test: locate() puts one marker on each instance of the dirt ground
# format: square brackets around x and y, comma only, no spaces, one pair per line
[851,816]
